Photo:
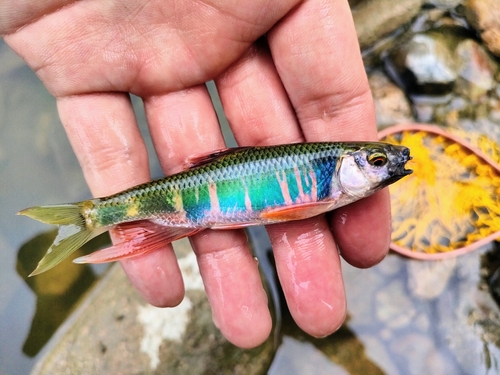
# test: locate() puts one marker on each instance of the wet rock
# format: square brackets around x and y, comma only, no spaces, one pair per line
[116,332]
[391,104]
[394,315]
[445,4]
[407,328]
[420,358]
[426,63]
[484,16]
[290,360]
[494,114]
[470,318]
[390,15]
[428,279]
[353,3]
[476,70]
[424,110]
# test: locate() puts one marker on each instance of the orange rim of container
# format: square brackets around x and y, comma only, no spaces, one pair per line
[434,129]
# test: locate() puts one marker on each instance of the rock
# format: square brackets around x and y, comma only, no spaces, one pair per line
[484,16]
[394,315]
[426,63]
[470,320]
[407,328]
[391,104]
[389,15]
[116,332]
[290,360]
[444,4]
[421,357]
[428,279]
[476,70]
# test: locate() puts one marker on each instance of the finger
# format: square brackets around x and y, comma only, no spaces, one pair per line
[308,265]
[111,151]
[255,102]
[182,124]
[319,62]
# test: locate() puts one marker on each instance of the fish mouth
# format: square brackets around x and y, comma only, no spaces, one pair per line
[399,175]
[399,170]
[405,154]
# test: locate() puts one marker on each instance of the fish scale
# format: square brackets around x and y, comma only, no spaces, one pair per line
[225,189]
[252,170]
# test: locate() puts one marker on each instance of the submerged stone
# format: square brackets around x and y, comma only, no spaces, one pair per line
[425,64]
[484,16]
[115,332]
[391,104]
[476,70]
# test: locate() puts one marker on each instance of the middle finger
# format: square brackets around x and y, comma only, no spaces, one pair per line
[307,261]
[182,124]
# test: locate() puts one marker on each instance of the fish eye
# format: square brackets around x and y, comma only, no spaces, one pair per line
[377,159]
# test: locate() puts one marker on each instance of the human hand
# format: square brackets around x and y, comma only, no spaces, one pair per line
[304,82]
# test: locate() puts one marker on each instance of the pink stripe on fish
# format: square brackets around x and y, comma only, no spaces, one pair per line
[314,186]
[248,202]
[284,187]
[302,197]
[214,199]
[311,181]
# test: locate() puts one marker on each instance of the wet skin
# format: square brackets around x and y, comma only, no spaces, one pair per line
[305,82]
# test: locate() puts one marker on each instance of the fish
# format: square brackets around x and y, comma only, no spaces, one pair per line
[224,189]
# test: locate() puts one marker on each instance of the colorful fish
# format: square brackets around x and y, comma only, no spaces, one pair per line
[225,189]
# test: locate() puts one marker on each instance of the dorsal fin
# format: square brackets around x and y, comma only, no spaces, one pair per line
[207,157]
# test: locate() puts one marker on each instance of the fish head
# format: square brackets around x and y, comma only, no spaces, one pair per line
[371,167]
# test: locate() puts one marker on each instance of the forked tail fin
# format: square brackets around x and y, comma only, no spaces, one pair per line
[73,231]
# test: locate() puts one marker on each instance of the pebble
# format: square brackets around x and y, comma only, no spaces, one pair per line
[484,16]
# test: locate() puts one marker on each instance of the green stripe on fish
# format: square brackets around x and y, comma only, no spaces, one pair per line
[225,189]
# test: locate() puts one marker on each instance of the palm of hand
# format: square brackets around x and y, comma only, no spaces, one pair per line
[307,83]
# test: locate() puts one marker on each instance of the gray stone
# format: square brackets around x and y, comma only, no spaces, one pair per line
[426,64]
[475,70]
[430,60]
[394,315]
[391,104]
[375,19]
[421,355]
[445,4]
[428,279]
[115,332]
[484,16]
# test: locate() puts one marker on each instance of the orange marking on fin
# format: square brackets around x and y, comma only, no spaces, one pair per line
[137,238]
[298,211]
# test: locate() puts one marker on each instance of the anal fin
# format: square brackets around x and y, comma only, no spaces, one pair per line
[298,211]
[137,238]
[230,226]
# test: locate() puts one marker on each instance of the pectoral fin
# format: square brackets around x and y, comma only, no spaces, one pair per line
[137,238]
